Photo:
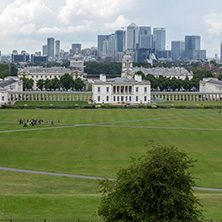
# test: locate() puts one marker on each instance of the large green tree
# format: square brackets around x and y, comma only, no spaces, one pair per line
[156,187]
[66,81]
[27,83]
[40,84]
[78,84]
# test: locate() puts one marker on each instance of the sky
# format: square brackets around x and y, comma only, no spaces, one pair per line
[26,24]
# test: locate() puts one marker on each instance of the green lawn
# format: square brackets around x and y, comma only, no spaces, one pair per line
[48,103]
[193,103]
[97,151]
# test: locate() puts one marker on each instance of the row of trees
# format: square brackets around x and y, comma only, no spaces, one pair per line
[165,84]
[66,82]
[8,70]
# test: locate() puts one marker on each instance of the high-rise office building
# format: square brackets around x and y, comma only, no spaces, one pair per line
[44,50]
[132,36]
[159,39]
[177,49]
[51,48]
[120,39]
[57,48]
[221,52]
[145,38]
[100,40]
[192,48]
[192,42]
[76,48]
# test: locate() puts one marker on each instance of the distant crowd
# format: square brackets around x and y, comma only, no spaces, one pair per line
[34,122]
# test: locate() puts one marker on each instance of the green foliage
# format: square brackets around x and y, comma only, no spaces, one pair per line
[78,84]
[13,70]
[66,81]
[103,68]
[4,71]
[27,83]
[90,87]
[156,187]
[40,84]
[55,83]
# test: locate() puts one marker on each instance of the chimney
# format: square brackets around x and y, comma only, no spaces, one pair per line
[103,77]
[138,78]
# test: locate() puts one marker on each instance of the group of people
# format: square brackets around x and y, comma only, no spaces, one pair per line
[34,122]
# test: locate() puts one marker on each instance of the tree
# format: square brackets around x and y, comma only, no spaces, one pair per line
[47,84]
[78,84]
[66,81]
[40,84]
[55,84]
[156,187]
[27,83]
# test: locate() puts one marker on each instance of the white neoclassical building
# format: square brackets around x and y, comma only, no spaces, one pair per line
[9,84]
[177,72]
[128,89]
[36,73]
[210,85]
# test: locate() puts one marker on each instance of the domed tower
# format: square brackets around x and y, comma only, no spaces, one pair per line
[77,67]
[127,67]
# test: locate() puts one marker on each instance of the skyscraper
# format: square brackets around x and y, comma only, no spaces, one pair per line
[192,42]
[44,50]
[57,43]
[221,52]
[76,48]
[51,50]
[159,39]
[100,40]
[192,47]
[132,36]
[145,38]
[120,39]
[177,49]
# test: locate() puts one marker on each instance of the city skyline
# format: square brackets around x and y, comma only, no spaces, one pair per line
[27,24]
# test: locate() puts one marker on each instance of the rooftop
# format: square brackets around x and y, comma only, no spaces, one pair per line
[3,84]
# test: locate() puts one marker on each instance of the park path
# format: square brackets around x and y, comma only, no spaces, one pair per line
[104,124]
[85,177]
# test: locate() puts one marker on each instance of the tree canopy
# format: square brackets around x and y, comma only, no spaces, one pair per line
[156,187]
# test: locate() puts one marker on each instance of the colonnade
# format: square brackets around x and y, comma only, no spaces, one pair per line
[186,96]
[122,90]
[44,96]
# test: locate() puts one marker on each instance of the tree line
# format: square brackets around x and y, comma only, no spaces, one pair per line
[8,70]
[173,84]
[66,82]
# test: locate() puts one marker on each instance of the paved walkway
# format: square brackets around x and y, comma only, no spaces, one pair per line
[104,124]
[85,177]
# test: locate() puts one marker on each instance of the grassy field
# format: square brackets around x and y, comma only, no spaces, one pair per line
[48,103]
[98,151]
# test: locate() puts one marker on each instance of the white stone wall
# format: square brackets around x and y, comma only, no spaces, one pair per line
[138,96]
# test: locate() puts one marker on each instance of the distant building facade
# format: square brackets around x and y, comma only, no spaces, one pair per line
[159,39]
[128,89]
[210,85]
[9,84]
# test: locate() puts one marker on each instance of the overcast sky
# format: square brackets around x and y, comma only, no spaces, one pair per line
[25,24]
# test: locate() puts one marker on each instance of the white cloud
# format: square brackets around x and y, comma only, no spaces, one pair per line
[21,16]
[214,21]
[96,9]
[120,22]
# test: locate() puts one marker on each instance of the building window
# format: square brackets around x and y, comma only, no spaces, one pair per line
[137,89]
[107,98]
[37,77]
[122,98]
[145,98]
[136,98]
[126,98]
[98,89]
[3,98]
[130,98]
[114,99]
[107,89]
[41,77]
[145,89]
[98,98]
[118,98]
